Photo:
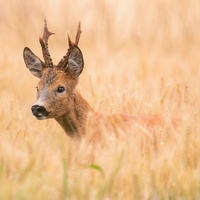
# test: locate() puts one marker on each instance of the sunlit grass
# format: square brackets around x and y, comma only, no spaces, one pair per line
[141,57]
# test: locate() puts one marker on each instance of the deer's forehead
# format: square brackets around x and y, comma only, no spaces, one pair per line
[52,77]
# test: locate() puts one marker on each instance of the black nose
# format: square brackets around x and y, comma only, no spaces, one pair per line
[39,111]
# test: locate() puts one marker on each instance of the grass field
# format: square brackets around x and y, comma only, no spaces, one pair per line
[141,57]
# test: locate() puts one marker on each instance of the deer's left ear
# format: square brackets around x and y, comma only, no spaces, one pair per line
[75,62]
[33,63]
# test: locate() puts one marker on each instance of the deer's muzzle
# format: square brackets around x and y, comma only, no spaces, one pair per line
[39,112]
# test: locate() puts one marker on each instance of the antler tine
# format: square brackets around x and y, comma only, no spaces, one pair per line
[78,34]
[44,45]
[63,62]
[46,33]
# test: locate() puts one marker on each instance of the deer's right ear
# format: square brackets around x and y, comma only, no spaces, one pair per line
[75,62]
[33,63]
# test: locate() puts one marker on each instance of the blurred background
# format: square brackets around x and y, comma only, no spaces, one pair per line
[126,44]
[141,57]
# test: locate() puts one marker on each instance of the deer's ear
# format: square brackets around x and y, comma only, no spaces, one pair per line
[75,62]
[33,63]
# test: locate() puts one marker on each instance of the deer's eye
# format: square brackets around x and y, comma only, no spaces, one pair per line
[37,89]
[60,89]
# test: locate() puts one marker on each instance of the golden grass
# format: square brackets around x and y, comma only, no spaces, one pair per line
[141,57]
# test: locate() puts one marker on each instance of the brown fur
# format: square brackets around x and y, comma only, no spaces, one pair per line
[68,108]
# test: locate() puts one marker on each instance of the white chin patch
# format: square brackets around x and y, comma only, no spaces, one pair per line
[41,118]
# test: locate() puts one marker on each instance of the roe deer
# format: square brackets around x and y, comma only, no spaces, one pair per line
[57,96]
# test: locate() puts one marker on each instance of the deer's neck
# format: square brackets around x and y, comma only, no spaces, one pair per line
[74,122]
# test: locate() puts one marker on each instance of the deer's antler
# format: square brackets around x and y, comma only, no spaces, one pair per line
[64,61]
[44,45]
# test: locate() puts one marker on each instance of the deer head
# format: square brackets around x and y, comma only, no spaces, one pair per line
[55,90]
